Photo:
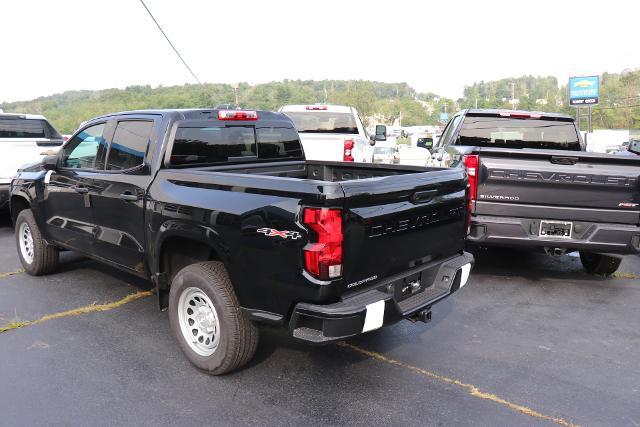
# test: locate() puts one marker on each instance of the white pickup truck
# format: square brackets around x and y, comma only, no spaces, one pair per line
[332,133]
[24,138]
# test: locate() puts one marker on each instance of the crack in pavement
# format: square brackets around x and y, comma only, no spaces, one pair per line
[470,388]
[77,311]
[11,273]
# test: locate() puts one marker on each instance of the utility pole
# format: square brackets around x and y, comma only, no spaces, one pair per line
[235,91]
[476,102]
[445,106]
[513,95]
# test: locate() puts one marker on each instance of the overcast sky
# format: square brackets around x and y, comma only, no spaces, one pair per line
[48,47]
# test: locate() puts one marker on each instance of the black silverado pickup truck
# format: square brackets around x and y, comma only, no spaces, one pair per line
[221,211]
[534,185]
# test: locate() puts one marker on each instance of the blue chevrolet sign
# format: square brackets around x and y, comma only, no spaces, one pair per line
[584,90]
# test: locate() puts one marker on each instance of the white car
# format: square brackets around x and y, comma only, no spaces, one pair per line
[385,154]
[24,138]
[331,132]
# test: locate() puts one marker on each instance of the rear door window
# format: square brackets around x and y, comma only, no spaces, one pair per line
[510,132]
[21,128]
[129,144]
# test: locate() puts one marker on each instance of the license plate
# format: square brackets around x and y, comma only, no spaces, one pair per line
[557,229]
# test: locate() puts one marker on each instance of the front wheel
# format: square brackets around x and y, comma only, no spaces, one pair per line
[602,265]
[207,320]
[36,255]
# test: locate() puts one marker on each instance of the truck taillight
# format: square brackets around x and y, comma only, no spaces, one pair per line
[323,253]
[472,163]
[348,150]
[237,115]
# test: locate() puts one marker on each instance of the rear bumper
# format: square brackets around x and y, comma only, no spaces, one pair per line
[587,236]
[384,304]
[4,196]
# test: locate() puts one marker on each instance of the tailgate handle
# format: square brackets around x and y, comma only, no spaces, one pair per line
[423,196]
[564,160]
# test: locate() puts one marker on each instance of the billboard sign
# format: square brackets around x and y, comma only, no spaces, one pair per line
[444,117]
[584,90]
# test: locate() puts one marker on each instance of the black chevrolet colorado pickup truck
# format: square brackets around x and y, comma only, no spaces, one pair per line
[221,211]
[534,185]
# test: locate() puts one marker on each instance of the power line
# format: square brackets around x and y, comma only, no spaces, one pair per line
[172,46]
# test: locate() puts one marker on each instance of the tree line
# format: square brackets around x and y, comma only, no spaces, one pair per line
[380,102]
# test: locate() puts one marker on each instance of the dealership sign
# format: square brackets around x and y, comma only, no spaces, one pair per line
[584,90]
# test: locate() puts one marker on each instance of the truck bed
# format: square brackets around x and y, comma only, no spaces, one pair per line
[395,218]
[320,170]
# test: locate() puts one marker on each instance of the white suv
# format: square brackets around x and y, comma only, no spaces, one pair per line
[331,132]
[24,138]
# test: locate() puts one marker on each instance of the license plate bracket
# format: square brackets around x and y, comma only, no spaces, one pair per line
[556,229]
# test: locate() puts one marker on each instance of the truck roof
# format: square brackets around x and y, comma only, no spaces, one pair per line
[495,111]
[317,108]
[196,113]
[21,116]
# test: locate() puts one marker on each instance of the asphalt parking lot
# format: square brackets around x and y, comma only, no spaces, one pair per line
[530,340]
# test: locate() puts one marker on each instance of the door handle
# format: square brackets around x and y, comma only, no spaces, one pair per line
[81,189]
[129,197]
[557,160]
[423,196]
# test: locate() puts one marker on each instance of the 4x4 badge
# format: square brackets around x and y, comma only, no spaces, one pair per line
[272,232]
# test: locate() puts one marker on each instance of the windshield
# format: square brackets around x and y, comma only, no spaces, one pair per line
[510,132]
[323,122]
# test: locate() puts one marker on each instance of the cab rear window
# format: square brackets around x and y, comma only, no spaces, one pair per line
[323,122]
[216,144]
[21,128]
[511,132]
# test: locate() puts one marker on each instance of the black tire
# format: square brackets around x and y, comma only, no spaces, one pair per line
[602,265]
[238,336]
[45,256]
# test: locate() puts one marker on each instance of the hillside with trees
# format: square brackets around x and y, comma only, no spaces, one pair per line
[382,102]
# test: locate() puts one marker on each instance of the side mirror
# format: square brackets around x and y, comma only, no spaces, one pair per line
[381,133]
[372,140]
[634,147]
[49,163]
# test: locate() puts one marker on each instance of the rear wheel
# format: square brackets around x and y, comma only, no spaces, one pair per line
[206,318]
[37,256]
[602,265]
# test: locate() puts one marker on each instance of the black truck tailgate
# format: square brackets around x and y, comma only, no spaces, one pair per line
[399,222]
[563,185]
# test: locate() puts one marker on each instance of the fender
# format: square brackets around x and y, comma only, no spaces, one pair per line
[185,230]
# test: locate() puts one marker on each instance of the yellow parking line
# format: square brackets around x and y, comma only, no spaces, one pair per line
[11,273]
[77,311]
[625,275]
[470,388]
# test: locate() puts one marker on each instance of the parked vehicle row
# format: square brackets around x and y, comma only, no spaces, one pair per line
[221,210]
[224,213]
